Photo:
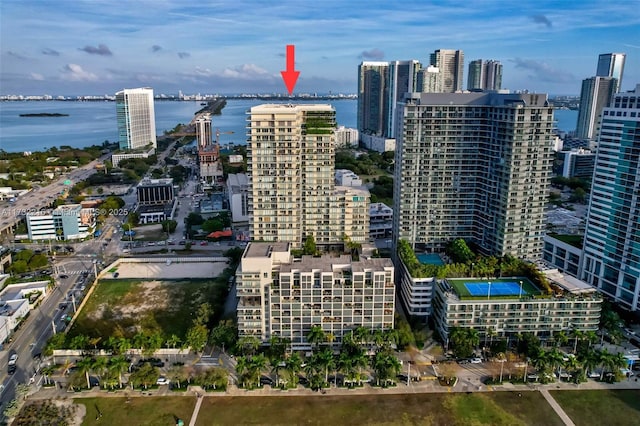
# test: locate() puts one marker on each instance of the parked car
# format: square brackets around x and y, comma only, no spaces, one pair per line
[204,243]
[264,380]
[475,360]
[593,375]
[11,369]
[63,276]
[162,381]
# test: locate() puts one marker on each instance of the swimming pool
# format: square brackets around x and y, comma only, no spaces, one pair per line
[430,259]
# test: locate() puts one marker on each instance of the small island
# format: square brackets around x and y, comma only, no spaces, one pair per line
[45,114]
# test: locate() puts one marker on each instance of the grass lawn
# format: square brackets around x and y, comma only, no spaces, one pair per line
[598,407]
[458,285]
[140,411]
[497,408]
[150,305]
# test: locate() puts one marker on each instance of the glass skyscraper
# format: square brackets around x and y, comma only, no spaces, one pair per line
[136,118]
[611,259]
[611,65]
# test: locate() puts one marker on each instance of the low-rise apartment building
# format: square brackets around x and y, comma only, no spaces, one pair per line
[282,296]
[574,306]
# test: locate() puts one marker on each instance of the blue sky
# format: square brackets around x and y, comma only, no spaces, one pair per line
[74,47]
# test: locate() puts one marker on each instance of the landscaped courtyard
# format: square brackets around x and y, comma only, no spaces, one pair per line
[126,307]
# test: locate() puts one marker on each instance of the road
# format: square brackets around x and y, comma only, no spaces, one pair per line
[32,335]
[11,213]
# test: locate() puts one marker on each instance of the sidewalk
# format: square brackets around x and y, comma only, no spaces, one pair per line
[425,386]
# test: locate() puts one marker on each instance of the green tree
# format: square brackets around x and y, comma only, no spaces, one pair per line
[316,336]
[19,267]
[118,365]
[309,247]
[460,251]
[197,337]
[84,367]
[38,261]
[248,344]
[144,376]
[293,365]
[224,335]
[169,226]
[211,225]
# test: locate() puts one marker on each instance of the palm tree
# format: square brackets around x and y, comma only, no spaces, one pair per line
[577,335]
[541,360]
[46,373]
[560,338]
[118,365]
[293,364]
[248,345]
[173,341]
[66,365]
[556,359]
[324,359]
[140,341]
[361,335]
[360,360]
[590,359]
[591,337]
[100,366]
[257,364]
[84,366]
[124,345]
[242,368]
[606,359]
[345,365]
[316,336]
[574,366]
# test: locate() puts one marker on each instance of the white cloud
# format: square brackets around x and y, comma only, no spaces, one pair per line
[246,72]
[36,76]
[74,72]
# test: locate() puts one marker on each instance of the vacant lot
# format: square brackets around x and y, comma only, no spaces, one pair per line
[600,407]
[138,411]
[130,306]
[497,408]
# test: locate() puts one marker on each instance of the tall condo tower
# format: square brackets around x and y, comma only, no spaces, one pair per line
[136,118]
[595,95]
[451,65]
[611,260]
[381,85]
[611,65]
[484,75]
[474,166]
[290,156]
[373,95]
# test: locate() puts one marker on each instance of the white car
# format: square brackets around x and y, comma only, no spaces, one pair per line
[12,359]
[162,381]
[475,360]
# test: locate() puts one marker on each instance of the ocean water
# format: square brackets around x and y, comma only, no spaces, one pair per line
[91,123]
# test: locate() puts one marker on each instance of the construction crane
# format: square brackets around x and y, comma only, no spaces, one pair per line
[218,133]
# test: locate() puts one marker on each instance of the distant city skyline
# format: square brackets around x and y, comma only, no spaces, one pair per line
[87,47]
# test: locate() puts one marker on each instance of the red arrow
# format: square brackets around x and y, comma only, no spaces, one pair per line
[290,76]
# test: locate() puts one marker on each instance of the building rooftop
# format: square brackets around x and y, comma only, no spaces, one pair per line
[261,249]
[567,282]
[238,180]
[154,182]
[329,263]
[266,108]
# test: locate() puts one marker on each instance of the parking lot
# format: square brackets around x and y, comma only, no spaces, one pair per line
[175,268]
